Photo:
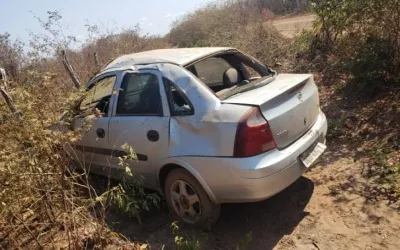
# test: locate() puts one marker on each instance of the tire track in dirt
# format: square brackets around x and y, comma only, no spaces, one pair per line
[341,215]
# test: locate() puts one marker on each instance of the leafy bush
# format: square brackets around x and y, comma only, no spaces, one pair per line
[41,199]
[130,195]
[183,241]
[33,166]
[364,35]
[40,195]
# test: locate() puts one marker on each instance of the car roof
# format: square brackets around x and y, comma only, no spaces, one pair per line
[180,56]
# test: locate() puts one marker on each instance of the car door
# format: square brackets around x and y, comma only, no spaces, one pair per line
[140,120]
[94,146]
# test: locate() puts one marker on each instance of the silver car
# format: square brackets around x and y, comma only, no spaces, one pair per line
[208,125]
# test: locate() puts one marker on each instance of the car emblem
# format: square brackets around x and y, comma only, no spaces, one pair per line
[300,96]
[283,134]
[305,121]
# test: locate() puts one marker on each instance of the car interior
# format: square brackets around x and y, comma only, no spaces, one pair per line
[223,72]
[140,95]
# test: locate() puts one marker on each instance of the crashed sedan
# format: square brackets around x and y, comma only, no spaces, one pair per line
[208,126]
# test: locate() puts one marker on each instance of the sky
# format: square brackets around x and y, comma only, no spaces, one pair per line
[154,16]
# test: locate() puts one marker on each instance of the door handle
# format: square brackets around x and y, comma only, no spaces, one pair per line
[100,133]
[153,135]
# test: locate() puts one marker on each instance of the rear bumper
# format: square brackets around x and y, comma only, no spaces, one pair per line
[262,188]
[256,178]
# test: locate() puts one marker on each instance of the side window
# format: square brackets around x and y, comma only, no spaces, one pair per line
[179,104]
[211,70]
[139,95]
[98,96]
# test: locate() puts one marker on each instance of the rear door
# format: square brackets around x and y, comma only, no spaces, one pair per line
[141,120]
[94,147]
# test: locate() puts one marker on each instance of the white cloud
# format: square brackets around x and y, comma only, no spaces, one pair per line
[150,24]
[143,18]
[171,15]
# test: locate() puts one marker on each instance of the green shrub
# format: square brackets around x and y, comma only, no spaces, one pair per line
[364,35]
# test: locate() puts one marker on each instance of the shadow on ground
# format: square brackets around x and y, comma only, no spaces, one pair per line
[268,221]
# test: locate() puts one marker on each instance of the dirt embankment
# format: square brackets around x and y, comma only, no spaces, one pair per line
[293,25]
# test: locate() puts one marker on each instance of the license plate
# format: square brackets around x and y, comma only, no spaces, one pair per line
[312,154]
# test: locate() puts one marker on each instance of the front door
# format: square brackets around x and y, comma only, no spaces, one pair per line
[94,148]
[140,120]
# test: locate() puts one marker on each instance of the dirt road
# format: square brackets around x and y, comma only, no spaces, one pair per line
[329,208]
[292,26]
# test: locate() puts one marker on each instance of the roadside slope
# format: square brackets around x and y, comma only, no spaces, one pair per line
[293,25]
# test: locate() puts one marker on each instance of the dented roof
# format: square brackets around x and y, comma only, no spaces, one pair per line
[180,56]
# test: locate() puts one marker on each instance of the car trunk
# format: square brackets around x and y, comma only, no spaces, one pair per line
[290,104]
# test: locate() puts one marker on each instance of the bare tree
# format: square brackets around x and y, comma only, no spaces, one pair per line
[6,95]
[96,61]
[69,69]
[3,77]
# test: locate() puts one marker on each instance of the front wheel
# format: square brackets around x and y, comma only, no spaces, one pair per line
[188,201]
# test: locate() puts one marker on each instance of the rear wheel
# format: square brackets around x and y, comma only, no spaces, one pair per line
[188,201]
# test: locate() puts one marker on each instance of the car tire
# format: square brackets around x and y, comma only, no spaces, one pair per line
[188,201]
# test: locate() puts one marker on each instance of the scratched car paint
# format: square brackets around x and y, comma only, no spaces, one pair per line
[208,125]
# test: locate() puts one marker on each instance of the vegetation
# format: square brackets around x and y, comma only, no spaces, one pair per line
[183,241]
[354,51]
[358,33]
[242,25]
[360,42]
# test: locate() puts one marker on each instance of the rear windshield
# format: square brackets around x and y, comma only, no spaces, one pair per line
[226,72]
[211,70]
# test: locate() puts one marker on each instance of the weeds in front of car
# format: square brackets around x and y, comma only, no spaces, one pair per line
[383,168]
[244,243]
[129,195]
[184,241]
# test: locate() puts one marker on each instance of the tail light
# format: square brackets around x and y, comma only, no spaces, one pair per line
[253,135]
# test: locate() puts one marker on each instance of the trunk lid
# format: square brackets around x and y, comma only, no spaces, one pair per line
[290,104]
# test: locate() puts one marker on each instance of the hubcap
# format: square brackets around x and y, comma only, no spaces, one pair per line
[185,201]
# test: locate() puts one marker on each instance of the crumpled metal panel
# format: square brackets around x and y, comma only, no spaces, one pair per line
[211,130]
